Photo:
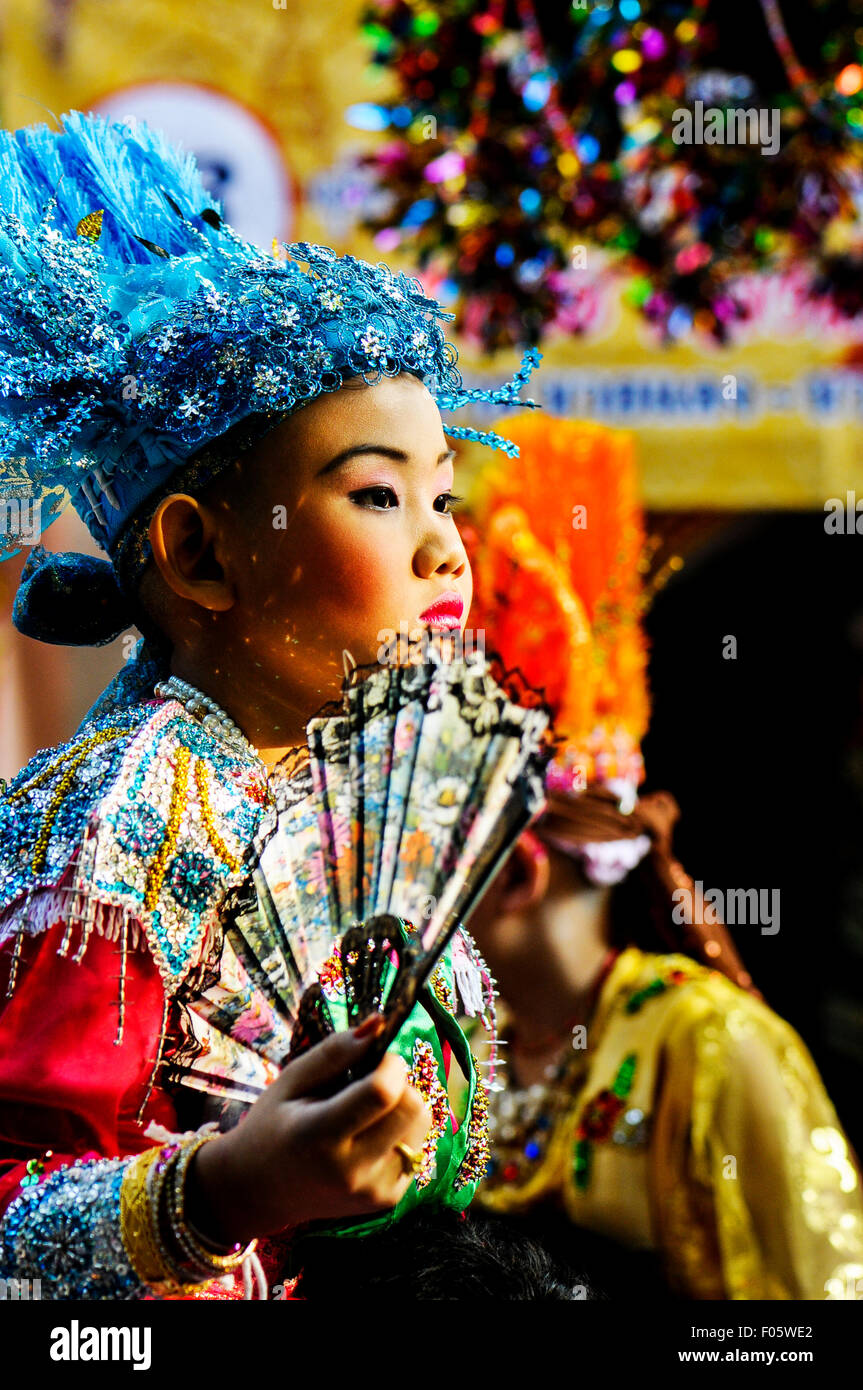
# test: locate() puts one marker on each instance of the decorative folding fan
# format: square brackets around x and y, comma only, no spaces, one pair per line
[390,826]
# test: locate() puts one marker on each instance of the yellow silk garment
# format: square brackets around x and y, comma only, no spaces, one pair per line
[714,1143]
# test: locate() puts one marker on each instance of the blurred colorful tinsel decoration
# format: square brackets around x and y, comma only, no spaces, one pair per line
[533,147]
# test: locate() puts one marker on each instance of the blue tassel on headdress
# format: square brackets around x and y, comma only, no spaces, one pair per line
[136,328]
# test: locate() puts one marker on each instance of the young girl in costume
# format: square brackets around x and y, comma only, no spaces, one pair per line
[648,1091]
[256,443]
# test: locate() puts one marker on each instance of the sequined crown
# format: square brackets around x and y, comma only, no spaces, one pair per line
[136,326]
[555,551]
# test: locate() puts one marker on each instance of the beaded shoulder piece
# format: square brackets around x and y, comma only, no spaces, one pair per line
[136,828]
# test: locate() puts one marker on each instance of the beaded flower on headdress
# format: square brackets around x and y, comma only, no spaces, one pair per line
[136,327]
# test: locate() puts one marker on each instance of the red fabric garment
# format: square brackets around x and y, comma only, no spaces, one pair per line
[65,1084]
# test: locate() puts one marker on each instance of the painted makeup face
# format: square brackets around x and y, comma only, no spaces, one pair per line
[353,536]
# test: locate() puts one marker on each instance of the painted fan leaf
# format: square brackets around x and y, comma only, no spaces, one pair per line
[412,790]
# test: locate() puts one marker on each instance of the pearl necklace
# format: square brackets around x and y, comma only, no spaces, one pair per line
[212,717]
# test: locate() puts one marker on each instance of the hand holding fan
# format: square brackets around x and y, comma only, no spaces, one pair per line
[401,810]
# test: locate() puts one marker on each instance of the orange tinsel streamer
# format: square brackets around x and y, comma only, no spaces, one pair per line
[555,541]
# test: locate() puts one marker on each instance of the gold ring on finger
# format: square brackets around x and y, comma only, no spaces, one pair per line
[411,1158]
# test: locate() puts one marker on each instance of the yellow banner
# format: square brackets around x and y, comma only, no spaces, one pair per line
[259,92]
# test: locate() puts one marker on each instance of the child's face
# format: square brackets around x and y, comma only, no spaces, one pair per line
[327,555]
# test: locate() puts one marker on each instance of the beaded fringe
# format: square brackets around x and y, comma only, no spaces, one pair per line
[46,907]
[66,903]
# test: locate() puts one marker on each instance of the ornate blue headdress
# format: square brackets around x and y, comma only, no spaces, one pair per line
[138,332]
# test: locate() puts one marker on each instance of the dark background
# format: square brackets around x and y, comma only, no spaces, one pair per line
[765,756]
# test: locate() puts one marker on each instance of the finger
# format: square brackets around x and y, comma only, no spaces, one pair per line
[390,1176]
[398,1179]
[325,1062]
[390,1184]
[394,1173]
[406,1124]
[367,1100]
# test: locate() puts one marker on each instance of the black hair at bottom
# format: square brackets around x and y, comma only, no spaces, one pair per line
[434,1253]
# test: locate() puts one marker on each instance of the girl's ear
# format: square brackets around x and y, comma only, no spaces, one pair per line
[186,549]
[525,875]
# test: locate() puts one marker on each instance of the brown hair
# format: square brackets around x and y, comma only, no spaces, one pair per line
[642,903]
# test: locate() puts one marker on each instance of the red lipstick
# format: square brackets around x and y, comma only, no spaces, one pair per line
[445,612]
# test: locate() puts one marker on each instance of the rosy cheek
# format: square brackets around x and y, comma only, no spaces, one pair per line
[344,559]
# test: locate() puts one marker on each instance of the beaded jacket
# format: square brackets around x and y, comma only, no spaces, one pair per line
[119,853]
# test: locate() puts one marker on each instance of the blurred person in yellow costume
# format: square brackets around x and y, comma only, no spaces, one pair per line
[649,1094]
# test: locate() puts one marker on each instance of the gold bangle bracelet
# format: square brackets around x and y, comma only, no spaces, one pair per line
[136,1222]
[163,1250]
[203,1259]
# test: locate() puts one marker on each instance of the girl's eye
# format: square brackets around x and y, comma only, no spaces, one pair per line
[450,501]
[381,498]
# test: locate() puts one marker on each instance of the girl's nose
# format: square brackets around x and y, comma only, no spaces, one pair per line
[440,554]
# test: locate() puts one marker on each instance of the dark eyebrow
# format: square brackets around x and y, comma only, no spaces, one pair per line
[398,455]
